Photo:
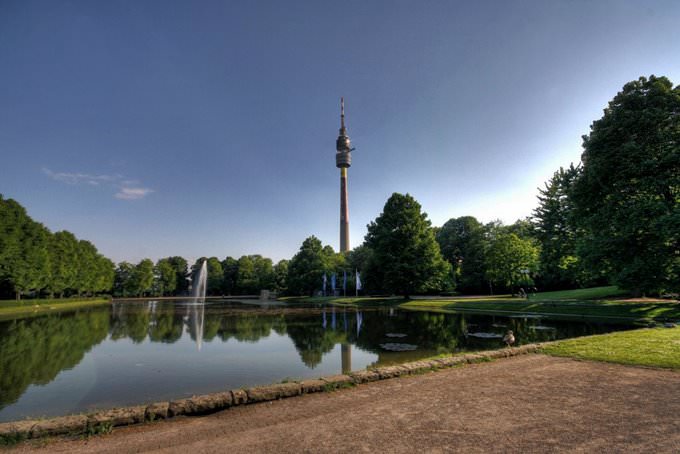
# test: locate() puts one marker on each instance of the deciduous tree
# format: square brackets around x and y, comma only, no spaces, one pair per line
[627,197]
[405,255]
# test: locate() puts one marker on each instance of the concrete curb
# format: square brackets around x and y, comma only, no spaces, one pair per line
[104,421]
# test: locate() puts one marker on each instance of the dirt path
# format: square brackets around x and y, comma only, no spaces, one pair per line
[531,403]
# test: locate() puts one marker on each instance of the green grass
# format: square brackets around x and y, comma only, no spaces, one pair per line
[612,309]
[581,294]
[13,308]
[591,302]
[658,347]
[600,302]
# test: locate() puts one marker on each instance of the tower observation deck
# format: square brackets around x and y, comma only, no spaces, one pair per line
[343,160]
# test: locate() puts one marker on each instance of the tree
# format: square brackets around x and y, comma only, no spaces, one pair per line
[264,272]
[461,241]
[281,276]
[405,255]
[86,273]
[306,268]
[246,279]
[123,284]
[230,275]
[63,256]
[523,228]
[104,275]
[555,231]
[181,267]
[33,271]
[511,260]
[215,275]
[627,197]
[142,277]
[165,276]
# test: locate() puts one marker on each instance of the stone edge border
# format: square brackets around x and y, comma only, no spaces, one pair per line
[104,421]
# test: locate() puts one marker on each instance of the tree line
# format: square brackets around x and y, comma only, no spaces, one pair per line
[172,276]
[613,218]
[36,262]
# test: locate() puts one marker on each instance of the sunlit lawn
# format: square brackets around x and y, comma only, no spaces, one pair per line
[591,302]
[658,347]
[13,308]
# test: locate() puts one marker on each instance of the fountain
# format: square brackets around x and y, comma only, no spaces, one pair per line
[201,283]
[196,313]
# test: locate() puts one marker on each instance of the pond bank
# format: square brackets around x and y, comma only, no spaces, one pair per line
[28,308]
[530,403]
[104,421]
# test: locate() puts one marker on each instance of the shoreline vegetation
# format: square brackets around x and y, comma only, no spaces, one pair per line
[28,308]
[597,302]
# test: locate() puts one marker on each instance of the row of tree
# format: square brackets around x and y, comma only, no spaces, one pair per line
[172,276]
[35,261]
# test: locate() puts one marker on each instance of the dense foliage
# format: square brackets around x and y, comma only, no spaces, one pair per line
[462,242]
[627,195]
[307,267]
[35,261]
[405,256]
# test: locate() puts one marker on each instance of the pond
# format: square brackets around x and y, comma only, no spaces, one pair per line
[130,353]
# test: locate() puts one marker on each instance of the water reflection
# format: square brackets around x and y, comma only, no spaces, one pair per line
[146,344]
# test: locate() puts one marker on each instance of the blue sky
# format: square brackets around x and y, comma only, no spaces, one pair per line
[157,128]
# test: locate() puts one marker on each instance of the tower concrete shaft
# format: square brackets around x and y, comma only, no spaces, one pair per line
[343,160]
[344,212]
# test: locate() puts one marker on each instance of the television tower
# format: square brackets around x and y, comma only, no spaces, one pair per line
[343,159]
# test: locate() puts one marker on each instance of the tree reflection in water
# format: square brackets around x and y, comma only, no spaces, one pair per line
[35,350]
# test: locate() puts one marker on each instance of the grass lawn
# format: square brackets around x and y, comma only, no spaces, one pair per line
[25,308]
[658,347]
[593,302]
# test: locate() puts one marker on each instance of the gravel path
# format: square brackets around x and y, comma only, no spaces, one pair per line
[530,403]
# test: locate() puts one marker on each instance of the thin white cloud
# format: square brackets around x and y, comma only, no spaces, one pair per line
[77,178]
[132,193]
[126,189]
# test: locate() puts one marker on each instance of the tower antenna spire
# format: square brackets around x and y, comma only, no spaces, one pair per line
[343,159]
[342,113]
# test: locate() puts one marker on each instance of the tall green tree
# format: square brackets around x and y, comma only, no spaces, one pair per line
[31,271]
[405,255]
[306,268]
[230,276]
[281,276]
[142,277]
[86,269]
[63,257]
[461,241]
[123,284]
[511,261]
[105,274]
[627,197]
[165,276]
[181,267]
[556,233]
[246,280]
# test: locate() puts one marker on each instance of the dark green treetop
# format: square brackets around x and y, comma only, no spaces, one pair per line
[461,241]
[405,255]
[627,197]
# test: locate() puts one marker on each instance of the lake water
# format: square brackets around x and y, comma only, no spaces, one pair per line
[130,353]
